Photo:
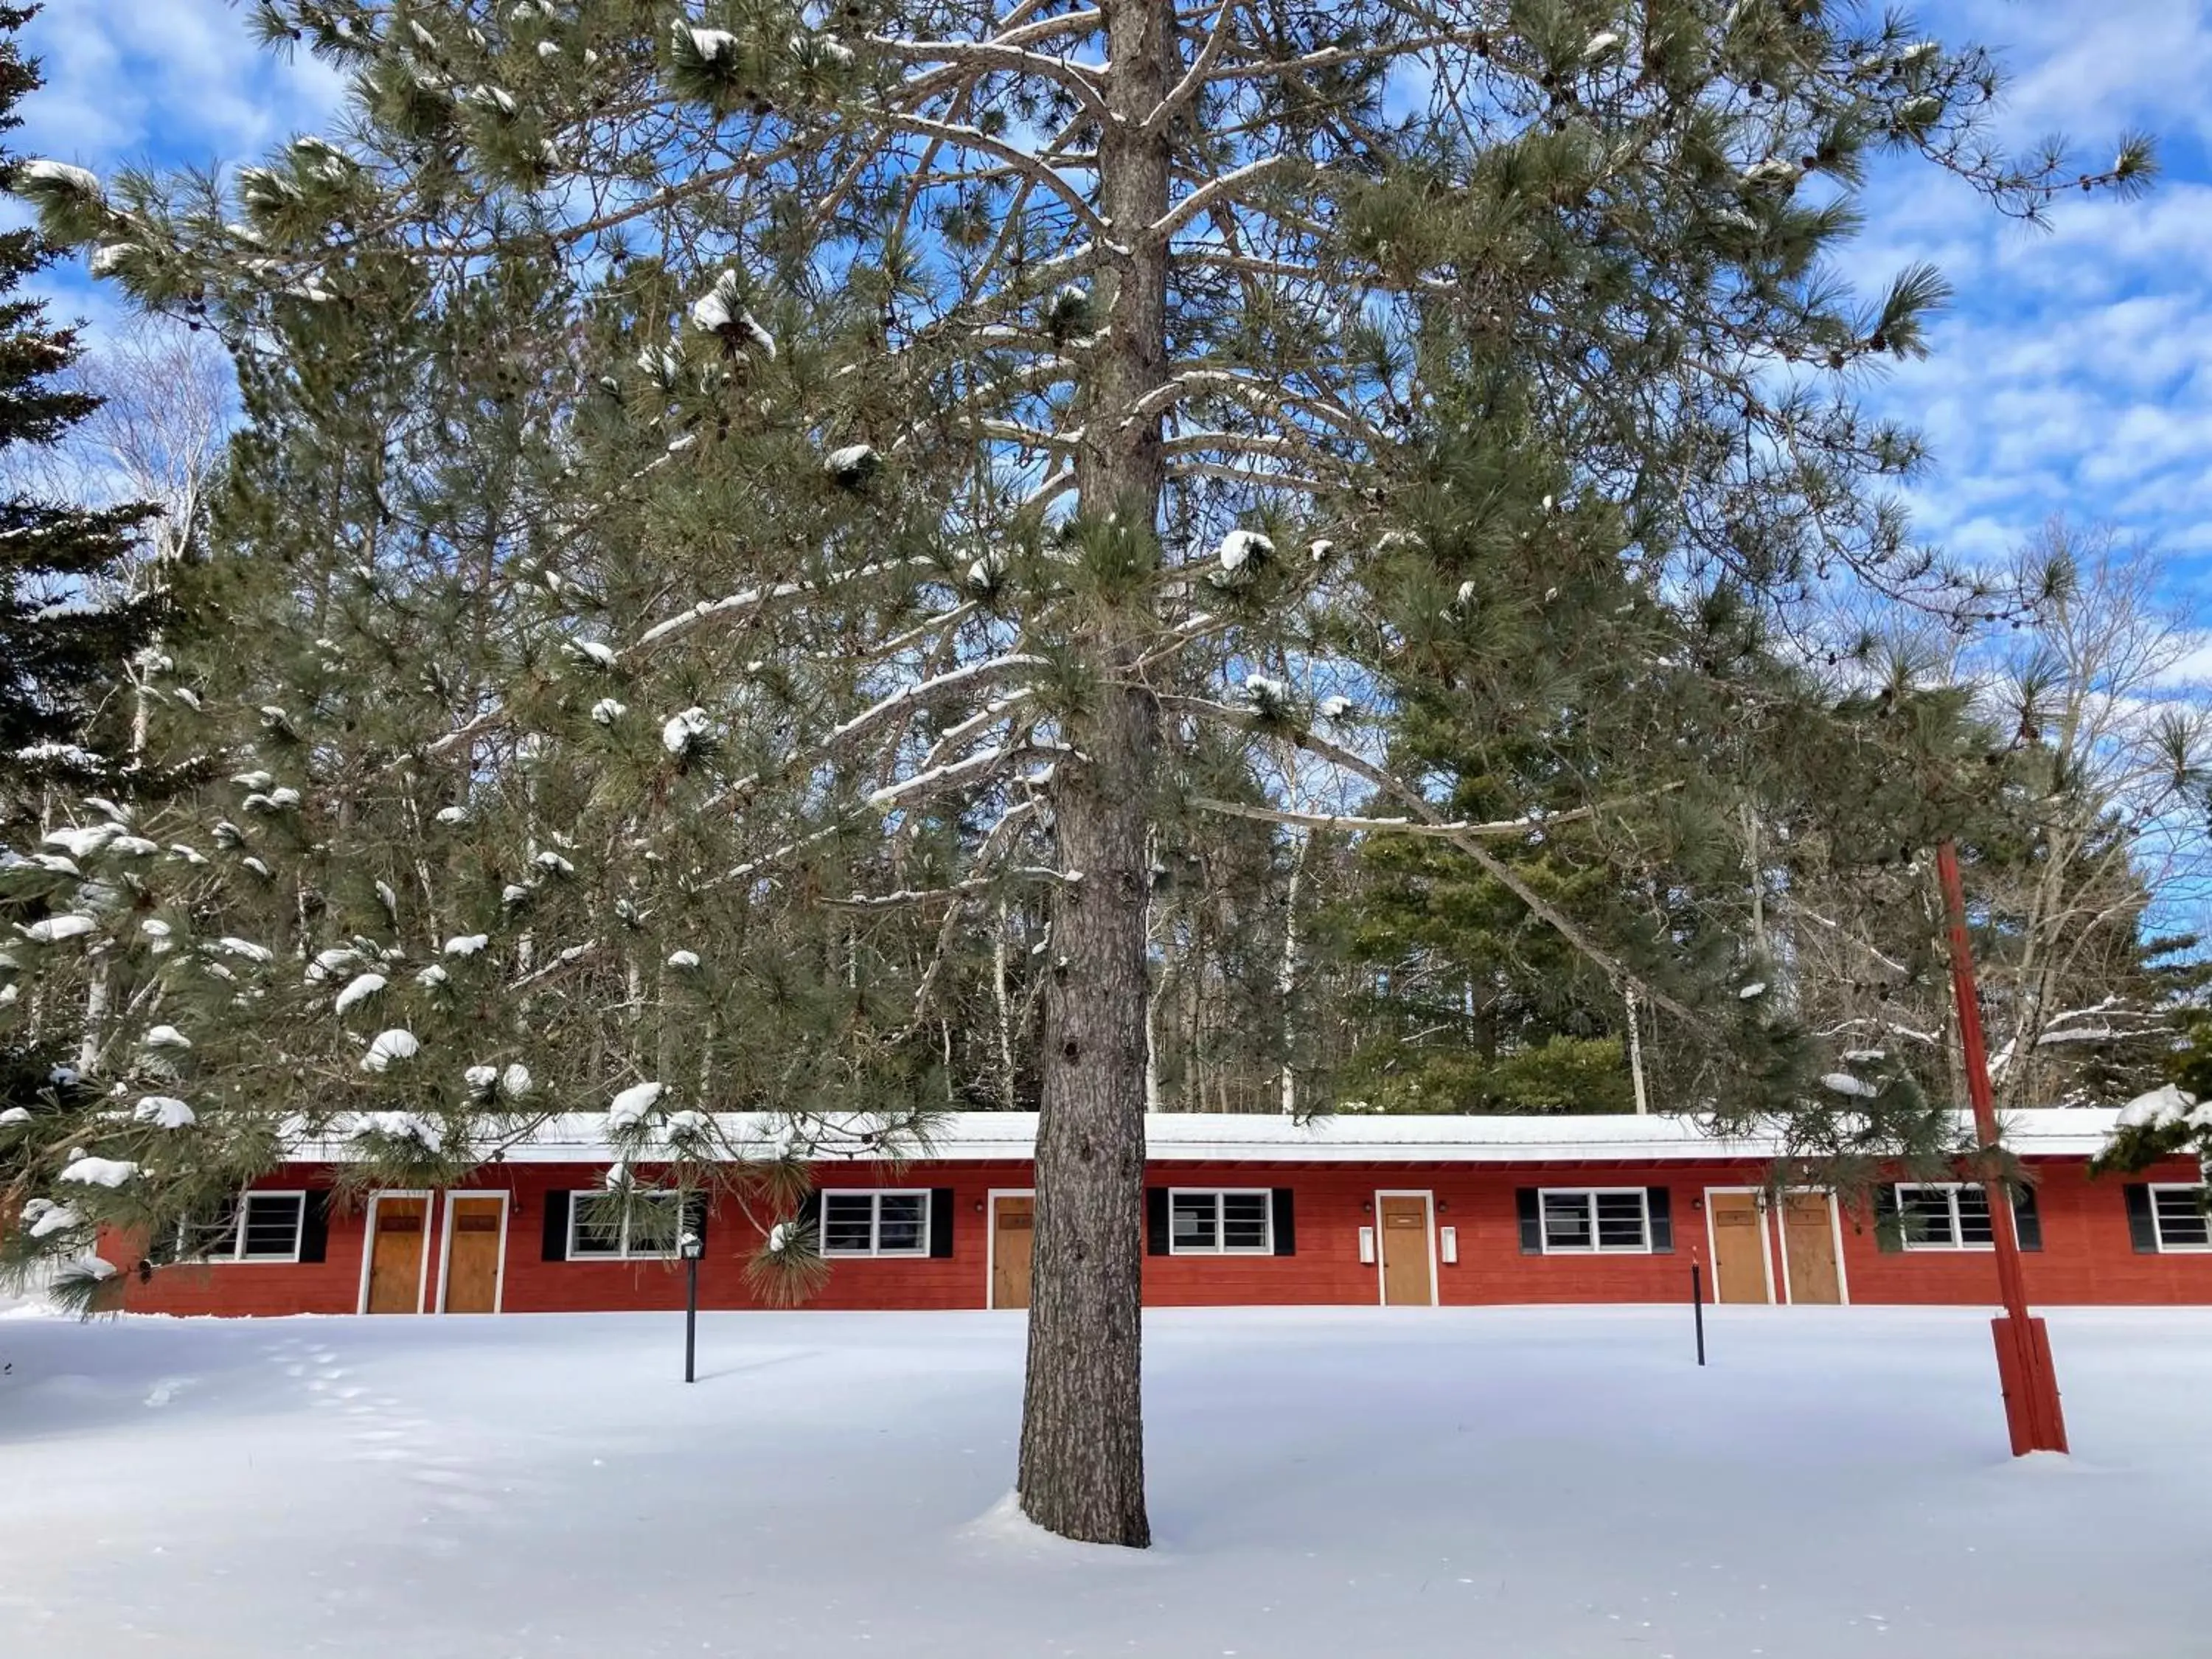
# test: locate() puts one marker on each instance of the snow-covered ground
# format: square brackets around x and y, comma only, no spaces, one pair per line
[1520,1483]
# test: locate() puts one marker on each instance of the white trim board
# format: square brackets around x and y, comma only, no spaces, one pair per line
[1260,1137]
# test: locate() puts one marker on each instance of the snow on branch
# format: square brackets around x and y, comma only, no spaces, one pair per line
[1019,161]
[1252,478]
[1533,824]
[1194,78]
[1080,79]
[949,775]
[752,600]
[1292,68]
[1222,188]
[958,889]
[907,697]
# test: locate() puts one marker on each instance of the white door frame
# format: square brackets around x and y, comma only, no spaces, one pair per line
[369,1241]
[1836,1234]
[446,1242]
[1428,1198]
[1768,1239]
[990,1238]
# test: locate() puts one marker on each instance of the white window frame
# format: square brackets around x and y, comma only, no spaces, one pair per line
[1950,1189]
[1595,1247]
[1220,1245]
[237,1258]
[875,1195]
[626,1253]
[2158,1222]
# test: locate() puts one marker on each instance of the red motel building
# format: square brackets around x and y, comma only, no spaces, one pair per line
[1240,1210]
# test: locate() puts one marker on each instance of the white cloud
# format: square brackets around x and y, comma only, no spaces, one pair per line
[2074,372]
[176,80]
[159,83]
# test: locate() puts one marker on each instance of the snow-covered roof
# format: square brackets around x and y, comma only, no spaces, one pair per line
[1219,1137]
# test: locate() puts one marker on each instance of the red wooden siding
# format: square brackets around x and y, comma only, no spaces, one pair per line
[2086,1255]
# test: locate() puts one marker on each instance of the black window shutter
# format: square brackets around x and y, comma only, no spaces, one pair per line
[315,1227]
[1532,1221]
[694,1218]
[1662,1219]
[1286,1226]
[1888,1229]
[1156,1221]
[557,1227]
[2143,1230]
[809,1217]
[2027,1220]
[940,1221]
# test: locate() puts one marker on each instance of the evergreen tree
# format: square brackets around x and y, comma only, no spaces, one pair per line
[70,612]
[863,467]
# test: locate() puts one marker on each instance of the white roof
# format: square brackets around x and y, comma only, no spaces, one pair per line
[1216,1137]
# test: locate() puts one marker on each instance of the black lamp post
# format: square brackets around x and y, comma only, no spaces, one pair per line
[693,1247]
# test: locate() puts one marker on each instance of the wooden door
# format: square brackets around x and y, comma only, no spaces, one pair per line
[395,1256]
[1739,1247]
[473,1255]
[1013,1229]
[1404,1228]
[1808,1245]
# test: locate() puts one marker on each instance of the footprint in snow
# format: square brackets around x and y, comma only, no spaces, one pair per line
[167,1388]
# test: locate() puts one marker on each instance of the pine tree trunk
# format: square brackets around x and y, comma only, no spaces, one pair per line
[1083,1433]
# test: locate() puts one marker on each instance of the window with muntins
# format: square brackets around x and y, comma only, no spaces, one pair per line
[258,1227]
[875,1223]
[2178,1214]
[1609,1220]
[1221,1223]
[1944,1216]
[608,1227]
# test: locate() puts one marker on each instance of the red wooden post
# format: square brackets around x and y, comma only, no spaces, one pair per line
[2024,1368]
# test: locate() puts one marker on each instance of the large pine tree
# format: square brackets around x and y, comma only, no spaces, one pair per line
[868,466]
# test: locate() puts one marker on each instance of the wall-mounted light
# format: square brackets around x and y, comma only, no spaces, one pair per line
[979,1207]
[1697,1203]
[1441,1206]
[1367,1207]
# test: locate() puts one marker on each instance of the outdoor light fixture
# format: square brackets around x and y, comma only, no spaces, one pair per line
[690,1246]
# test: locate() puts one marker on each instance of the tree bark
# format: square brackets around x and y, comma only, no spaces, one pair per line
[1082,1472]
[1083,1435]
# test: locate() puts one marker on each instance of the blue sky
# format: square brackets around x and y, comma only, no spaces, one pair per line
[2074,372]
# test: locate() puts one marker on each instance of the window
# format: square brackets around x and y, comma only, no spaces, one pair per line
[1954,1216]
[2178,1218]
[1605,1219]
[257,1227]
[608,1227]
[875,1223]
[1234,1223]
[1951,1215]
